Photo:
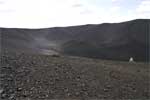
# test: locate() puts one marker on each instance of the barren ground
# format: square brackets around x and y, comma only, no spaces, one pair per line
[40,77]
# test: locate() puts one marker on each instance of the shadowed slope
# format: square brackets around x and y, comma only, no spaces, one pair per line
[117,41]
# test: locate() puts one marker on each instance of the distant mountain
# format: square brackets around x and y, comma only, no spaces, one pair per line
[116,41]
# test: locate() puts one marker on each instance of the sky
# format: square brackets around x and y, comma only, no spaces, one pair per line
[57,13]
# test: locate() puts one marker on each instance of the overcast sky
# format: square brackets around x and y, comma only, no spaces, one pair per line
[51,13]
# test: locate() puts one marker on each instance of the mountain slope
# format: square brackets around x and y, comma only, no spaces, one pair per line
[117,41]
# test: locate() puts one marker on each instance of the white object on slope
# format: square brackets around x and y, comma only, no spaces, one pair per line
[131,59]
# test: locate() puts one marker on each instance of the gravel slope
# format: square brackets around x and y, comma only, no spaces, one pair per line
[40,77]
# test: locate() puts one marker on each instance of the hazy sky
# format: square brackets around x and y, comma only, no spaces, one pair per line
[51,13]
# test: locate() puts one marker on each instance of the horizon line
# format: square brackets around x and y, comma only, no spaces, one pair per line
[72,25]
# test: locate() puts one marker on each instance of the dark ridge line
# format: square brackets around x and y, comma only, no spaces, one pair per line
[57,27]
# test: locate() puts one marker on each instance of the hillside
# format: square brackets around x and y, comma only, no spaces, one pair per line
[115,41]
[87,62]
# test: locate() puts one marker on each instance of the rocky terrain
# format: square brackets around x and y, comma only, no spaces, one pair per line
[51,63]
[59,77]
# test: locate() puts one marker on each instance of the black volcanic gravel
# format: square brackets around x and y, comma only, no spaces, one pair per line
[40,77]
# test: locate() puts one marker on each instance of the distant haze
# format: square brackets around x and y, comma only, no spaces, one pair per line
[51,13]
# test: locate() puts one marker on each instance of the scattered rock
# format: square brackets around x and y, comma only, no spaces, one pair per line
[1,91]
[19,89]
[45,77]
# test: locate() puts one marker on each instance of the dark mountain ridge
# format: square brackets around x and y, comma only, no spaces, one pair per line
[116,41]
